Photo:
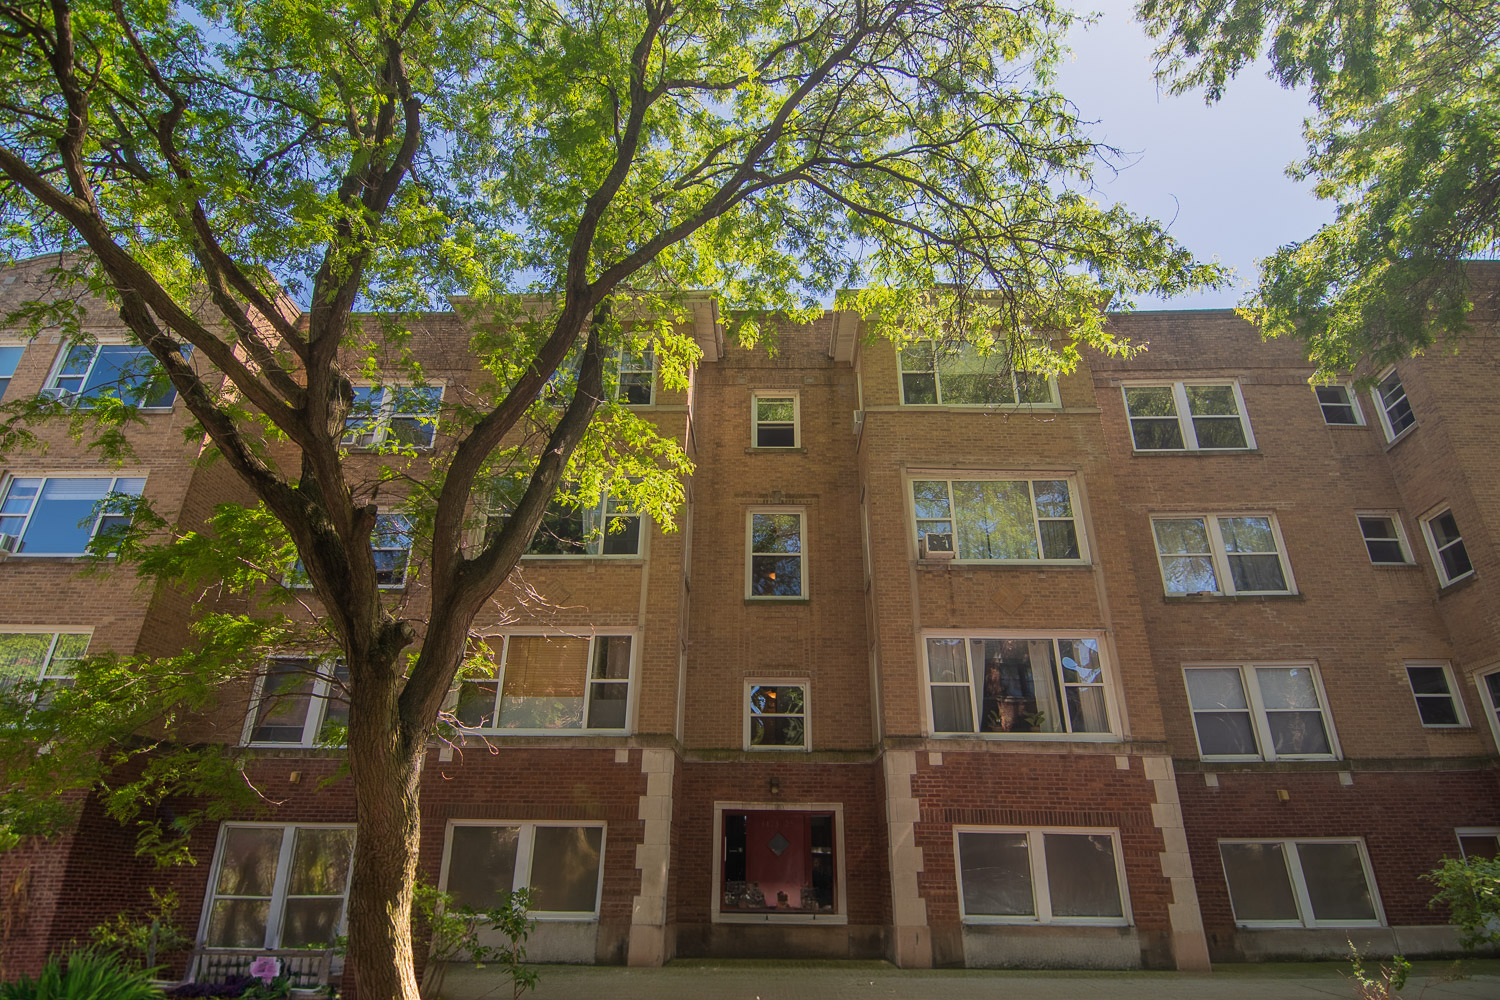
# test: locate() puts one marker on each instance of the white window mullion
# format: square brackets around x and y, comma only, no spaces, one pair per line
[1041,892]
[1239,402]
[500,679]
[1184,417]
[1250,678]
[524,840]
[589,653]
[1220,554]
[317,707]
[976,685]
[278,888]
[1036,520]
[1299,883]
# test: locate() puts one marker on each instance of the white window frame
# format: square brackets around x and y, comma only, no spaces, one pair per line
[1383,412]
[47,674]
[750,554]
[593,639]
[317,703]
[1185,418]
[764,394]
[594,547]
[378,425]
[1444,580]
[1491,705]
[50,390]
[806,713]
[1220,553]
[1031,478]
[525,844]
[1053,401]
[278,889]
[1460,832]
[1353,401]
[1407,559]
[839,916]
[1110,681]
[1041,894]
[1455,694]
[8,482]
[1299,882]
[1260,725]
[621,354]
[6,377]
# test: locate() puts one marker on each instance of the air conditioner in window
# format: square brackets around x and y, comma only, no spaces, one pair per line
[936,545]
[8,545]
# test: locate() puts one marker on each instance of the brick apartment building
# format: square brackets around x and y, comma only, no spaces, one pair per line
[1175,660]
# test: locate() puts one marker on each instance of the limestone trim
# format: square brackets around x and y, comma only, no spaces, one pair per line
[1189,943]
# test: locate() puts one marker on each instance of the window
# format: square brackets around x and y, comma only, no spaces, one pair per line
[1385,539]
[1001,520]
[637,379]
[1016,686]
[10,356]
[550,684]
[609,528]
[559,862]
[299,702]
[1391,404]
[1432,686]
[393,415]
[1188,416]
[390,543]
[278,886]
[1479,842]
[1252,712]
[1062,876]
[777,716]
[776,424]
[1340,405]
[1300,883]
[1489,693]
[85,372]
[1225,554]
[777,564]
[1447,546]
[37,661]
[958,375]
[780,863]
[58,516]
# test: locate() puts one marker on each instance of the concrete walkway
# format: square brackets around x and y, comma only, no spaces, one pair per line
[764,980]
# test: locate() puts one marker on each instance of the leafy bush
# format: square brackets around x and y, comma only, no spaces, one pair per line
[86,974]
[453,934]
[1470,888]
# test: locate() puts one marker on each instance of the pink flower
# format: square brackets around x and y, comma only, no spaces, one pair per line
[265,968]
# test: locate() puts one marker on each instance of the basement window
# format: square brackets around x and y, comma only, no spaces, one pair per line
[1300,883]
[562,864]
[1049,876]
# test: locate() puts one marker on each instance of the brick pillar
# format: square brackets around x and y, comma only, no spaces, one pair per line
[912,944]
[648,911]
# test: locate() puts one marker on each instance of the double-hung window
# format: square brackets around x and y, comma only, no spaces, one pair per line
[278,886]
[59,515]
[776,566]
[1000,520]
[403,416]
[1447,547]
[85,372]
[10,356]
[1438,703]
[1222,554]
[390,544]
[608,528]
[561,863]
[775,420]
[1017,686]
[777,715]
[1047,876]
[299,702]
[1188,416]
[1396,416]
[956,374]
[1300,883]
[1385,539]
[38,660]
[1340,405]
[637,376]
[548,684]
[1247,711]
[1489,694]
[1479,842]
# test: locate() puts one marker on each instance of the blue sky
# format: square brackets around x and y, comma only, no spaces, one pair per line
[1215,173]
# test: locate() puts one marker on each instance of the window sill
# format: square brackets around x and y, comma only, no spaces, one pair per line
[570,734]
[757,449]
[831,920]
[982,921]
[622,559]
[1389,565]
[1003,563]
[1392,442]
[1228,598]
[1032,737]
[773,601]
[1454,586]
[1195,452]
[979,407]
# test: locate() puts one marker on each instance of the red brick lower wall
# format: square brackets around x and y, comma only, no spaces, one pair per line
[1406,818]
[1020,789]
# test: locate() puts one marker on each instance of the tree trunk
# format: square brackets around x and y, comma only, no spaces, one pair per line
[386,769]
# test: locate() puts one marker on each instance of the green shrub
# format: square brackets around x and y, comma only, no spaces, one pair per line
[86,974]
[1471,891]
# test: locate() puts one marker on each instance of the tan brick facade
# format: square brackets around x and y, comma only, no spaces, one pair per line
[681,795]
